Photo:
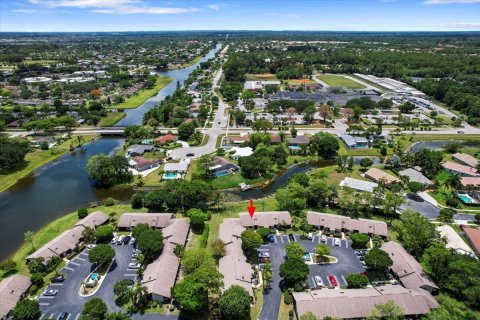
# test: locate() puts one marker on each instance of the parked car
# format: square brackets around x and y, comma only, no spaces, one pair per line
[132,240]
[50,293]
[271,238]
[93,266]
[127,239]
[318,281]
[291,237]
[120,240]
[324,238]
[91,245]
[337,242]
[333,280]
[114,240]
[137,251]
[58,279]
[461,132]
[63,316]
[263,254]
[190,154]
[134,265]
[310,236]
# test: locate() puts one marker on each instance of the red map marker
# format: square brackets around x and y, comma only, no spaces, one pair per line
[251,208]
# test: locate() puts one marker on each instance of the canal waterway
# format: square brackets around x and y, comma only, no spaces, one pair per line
[62,186]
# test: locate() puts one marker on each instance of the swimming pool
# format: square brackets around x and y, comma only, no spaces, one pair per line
[221,173]
[170,176]
[295,147]
[465,198]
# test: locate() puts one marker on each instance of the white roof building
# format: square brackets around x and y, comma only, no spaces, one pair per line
[241,152]
[175,167]
[454,241]
[359,185]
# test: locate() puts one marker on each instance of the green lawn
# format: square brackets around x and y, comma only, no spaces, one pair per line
[56,227]
[260,77]
[232,181]
[137,99]
[35,160]
[339,81]
[431,137]
[111,119]
[188,64]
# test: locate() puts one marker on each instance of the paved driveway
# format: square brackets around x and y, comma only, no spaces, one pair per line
[273,294]
[348,261]
[68,298]
[418,204]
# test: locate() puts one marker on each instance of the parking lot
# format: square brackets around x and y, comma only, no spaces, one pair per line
[68,298]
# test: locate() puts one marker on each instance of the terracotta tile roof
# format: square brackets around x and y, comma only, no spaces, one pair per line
[473,236]
[470,181]
[460,168]
[11,291]
[166,138]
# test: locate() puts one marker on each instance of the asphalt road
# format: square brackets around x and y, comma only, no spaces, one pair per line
[418,204]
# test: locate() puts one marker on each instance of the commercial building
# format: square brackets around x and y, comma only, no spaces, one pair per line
[337,223]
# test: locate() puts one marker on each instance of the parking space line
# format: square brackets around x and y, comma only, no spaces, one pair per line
[41,317]
[44,304]
[281,238]
[130,275]
[130,269]
[56,284]
[314,283]
[344,281]
[83,253]
[52,315]
[74,263]
[294,238]
[346,243]
[275,239]
[288,240]
[78,315]
[80,259]
[45,297]
[68,268]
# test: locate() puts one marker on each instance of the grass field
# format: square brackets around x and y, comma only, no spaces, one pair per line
[137,99]
[111,119]
[432,137]
[339,81]
[35,160]
[300,81]
[261,76]
[188,64]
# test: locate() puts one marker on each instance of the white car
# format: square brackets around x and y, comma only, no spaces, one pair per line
[132,240]
[114,240]
[337,242]
[318,281]
[134,265]
[120,240]
[310,236]
[91,246]
[324,238]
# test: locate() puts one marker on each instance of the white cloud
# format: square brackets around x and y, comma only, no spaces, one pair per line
[112,6]
[24,10]
[464,25]
[214,6]
[150,10]
[449,1]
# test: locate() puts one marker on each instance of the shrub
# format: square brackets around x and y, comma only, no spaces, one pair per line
[37,278]
[82,213]
[109,202]
[104,234]
[452,202]
[446,215]
[287,298]
[359,240]
[137,201]
[264,233]
[33,289]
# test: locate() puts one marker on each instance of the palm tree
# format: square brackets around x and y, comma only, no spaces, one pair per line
[454,181]
[266,273]
[80,139]
[28,237]
[139,297]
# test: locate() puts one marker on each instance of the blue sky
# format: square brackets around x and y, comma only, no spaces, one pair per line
[159,15]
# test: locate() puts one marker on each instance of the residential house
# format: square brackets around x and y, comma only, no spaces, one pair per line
[470,182]
[379,175]
[416,176]
[265,219]
[297,142]
[168,138]
[460,169]
[275,139]
[141,164]
[358,185]
[155,220]
[473,237]
[354,142]
[138,150]
[337,223]
[238,152]
[12,290]
[239,139]
[407,269]
[359,303]
[454,240]
[466,159]
[176,167]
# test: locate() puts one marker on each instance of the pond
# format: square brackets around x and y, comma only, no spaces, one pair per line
[439,144]
[279,180]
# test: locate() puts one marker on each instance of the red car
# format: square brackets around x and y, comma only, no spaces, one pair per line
[333,281]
